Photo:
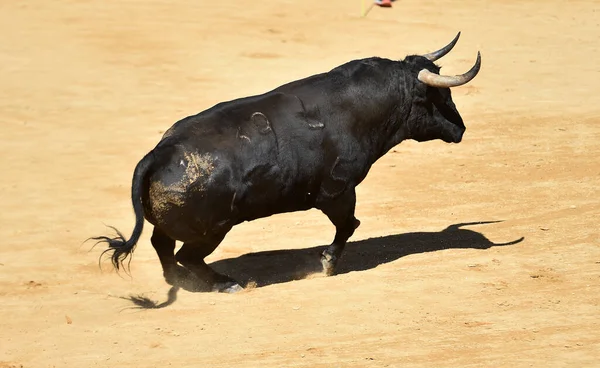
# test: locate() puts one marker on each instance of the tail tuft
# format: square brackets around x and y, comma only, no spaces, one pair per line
[119,246]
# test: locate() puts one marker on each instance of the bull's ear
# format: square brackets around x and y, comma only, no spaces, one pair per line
[261,121]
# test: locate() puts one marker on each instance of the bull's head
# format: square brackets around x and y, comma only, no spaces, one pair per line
[433,113]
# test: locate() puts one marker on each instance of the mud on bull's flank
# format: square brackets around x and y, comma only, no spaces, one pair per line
[197,167]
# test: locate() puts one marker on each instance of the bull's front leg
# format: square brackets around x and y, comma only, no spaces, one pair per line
[341,213]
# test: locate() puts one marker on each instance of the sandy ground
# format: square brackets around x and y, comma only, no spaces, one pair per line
[88,87]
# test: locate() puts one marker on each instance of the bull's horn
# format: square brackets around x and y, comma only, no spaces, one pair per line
[447,81]
[433,56]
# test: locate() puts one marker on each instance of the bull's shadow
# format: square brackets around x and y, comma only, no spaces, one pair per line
[273,267]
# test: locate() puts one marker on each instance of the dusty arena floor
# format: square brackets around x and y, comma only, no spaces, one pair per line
[481,254]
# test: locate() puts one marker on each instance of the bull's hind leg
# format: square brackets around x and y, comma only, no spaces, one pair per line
[174,274]
[341,213]
[192,255]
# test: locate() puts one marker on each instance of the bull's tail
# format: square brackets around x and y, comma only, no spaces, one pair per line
[119,246]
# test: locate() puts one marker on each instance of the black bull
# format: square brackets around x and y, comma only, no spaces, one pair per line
[306,144]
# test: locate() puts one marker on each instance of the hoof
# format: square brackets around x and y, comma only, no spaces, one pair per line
[229,287]
[328,261]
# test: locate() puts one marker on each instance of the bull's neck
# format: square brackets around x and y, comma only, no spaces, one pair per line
[392,127]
